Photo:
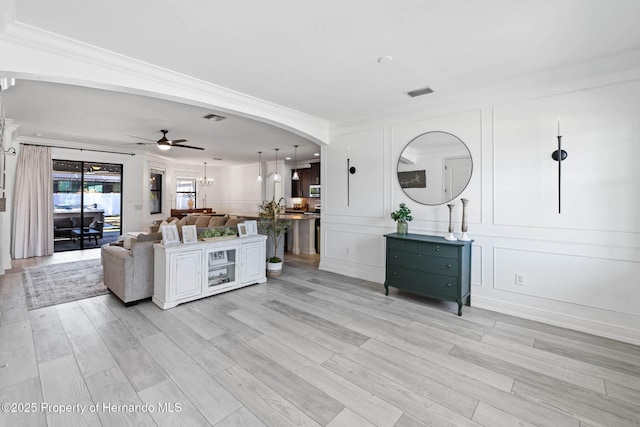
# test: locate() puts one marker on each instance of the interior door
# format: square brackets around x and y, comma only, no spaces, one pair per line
[457,171]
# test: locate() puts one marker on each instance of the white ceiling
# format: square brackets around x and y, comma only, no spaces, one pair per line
[319,58]
[121,121]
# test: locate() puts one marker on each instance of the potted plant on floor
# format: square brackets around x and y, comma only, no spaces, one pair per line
[402,216]
[274,227]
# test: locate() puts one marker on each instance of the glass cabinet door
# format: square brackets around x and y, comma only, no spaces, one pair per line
[221,266]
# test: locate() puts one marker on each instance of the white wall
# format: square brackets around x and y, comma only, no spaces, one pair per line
[10,163]
[235,188]
[135,188]
[135,202]
[581,267]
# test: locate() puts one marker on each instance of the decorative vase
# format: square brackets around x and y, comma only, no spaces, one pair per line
[403,227]
[450,236]
[190,203]
[464,237]
[274,269]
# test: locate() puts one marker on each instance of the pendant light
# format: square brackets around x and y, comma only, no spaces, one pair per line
[295,176]
[259,166]
[204,181]
[276,176]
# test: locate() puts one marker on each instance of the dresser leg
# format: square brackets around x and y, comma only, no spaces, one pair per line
[460,308]
[386,289]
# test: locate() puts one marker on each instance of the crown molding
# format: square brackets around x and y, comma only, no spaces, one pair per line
[86,65]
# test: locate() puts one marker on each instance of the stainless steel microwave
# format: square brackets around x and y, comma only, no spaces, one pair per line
[314,191]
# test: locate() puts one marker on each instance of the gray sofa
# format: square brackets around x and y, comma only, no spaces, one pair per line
[128,273]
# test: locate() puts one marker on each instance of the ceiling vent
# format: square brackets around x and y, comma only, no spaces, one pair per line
[214,117]
[420,92]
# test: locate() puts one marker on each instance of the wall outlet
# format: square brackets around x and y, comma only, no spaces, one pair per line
[520,279]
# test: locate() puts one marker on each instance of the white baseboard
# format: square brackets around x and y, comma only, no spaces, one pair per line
[615,332]
[370,273]
[572,321]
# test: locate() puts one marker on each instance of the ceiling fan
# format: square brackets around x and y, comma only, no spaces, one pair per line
[164,143]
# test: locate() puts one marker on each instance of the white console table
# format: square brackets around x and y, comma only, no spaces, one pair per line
[186,272]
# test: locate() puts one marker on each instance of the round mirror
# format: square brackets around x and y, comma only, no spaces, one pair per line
[434,168]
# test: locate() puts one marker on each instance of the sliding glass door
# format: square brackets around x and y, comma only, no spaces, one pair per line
[87,198]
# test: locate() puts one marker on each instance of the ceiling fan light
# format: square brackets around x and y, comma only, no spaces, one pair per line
[164,145]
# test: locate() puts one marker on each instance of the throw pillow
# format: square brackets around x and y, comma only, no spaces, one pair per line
[232,222]
[182,222]
[128,237]
[217,221]
[202,221]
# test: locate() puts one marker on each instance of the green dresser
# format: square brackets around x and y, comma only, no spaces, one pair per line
[430,266]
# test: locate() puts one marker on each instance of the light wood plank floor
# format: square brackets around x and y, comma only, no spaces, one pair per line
[308,349]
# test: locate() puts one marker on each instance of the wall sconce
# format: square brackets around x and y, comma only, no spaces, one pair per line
[351,170]
[559,155]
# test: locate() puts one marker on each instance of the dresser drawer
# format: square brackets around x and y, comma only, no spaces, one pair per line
[436,285]
[403,245]
[430,264]
[438,250]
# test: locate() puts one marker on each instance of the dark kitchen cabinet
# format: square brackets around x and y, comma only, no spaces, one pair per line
[308,176]
[300,188]
[315,174]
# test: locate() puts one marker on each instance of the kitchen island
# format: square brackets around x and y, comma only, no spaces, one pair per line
[303,230]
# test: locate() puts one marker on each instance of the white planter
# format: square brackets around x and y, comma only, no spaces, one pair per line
[274,269]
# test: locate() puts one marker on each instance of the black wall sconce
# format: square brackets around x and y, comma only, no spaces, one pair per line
[559,155]
[351,170]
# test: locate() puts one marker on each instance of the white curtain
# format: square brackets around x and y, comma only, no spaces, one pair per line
[33,203]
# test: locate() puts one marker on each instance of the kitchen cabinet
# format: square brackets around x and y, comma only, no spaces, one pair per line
[186,272]
[300,188]
[430,266]
[314,176]
[308,176]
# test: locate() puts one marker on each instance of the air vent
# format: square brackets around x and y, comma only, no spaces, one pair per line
[214,117]
[420,92]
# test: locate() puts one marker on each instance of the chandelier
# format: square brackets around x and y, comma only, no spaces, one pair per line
[204,181]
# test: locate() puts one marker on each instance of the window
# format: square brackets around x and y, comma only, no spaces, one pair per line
[185,192]
[155,191]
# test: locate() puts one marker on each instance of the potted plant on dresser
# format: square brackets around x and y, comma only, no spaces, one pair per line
[274,227]
[402,216]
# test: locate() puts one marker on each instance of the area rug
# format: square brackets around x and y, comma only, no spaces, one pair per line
[59,283]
